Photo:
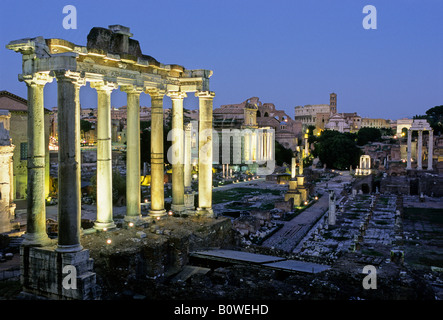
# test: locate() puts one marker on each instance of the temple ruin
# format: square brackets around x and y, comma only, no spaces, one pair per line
[111,60]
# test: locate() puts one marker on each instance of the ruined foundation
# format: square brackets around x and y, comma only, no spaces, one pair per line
[42,274]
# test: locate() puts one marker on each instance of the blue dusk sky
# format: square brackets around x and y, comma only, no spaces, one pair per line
[287,52]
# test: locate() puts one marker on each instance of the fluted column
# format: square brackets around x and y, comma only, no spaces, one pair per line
[104,155]
[430,149]
[36,208]
[178,189]
[133,191]
[408,164]
[69,157]
[157,156]
[419,150]
[205,153]
[187,157]
[189,194]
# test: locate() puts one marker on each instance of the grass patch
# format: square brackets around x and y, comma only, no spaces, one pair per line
[434,216]
[236,194]
[372,253]
[267,206]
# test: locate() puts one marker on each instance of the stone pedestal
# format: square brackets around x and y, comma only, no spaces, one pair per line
[58,275]
[189,201]
[293,193]
[302,188]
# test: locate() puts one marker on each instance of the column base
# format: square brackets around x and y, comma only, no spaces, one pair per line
[132,218]
[103,226]
[37,240]
[207,212]
[157,213]
[136,220]
[43,274]
[178,208]
[69,248]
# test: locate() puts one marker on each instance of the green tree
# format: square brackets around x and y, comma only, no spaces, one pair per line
[435,118]
[85,126]
[282,154]
[337,150]
[366,135]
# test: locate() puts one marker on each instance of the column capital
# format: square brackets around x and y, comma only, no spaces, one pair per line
[71,76]
[131,88]
[156,93]
[205,94]
[104,86]
[176,95]
[36,78]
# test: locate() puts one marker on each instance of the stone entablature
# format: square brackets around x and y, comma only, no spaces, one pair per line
[96,62]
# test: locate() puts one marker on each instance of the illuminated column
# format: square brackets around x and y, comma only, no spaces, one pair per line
[189,194]
[408,166]
[178,191]
[187,160]
[36,208]
[157,157]
[69,159]
[133,192]
[254,145]
[259,145]
[205,153]
[104,155]
[271,145]
[430,148]
[419,150]
[246,148]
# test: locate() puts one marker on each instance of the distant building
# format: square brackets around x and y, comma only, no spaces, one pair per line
[256,140]
[317,114]
[18,108]
[287,130]
[7,206]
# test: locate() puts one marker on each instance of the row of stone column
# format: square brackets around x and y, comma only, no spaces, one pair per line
[420,150]
[258,145]
[69,157]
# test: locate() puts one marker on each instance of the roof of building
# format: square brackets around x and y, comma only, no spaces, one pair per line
[12,102]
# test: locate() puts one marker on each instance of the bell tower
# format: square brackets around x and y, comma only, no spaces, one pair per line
[333,103]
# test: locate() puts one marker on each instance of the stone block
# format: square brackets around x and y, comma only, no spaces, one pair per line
[42,273]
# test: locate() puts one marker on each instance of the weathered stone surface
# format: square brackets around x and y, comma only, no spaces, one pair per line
[42,273]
